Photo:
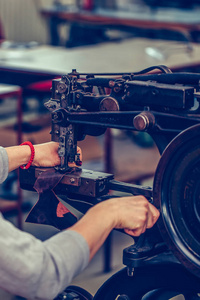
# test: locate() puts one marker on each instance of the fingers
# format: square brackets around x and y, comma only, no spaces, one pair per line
[71,165]
[136,214]
[152,216]
[148,220]
[80,153]
[133,232]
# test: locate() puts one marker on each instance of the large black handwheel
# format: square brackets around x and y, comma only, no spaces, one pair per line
[163,279]
[176,192]
[74,292]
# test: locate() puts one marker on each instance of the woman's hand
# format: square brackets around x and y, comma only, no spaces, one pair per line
[46,155]
[133,214]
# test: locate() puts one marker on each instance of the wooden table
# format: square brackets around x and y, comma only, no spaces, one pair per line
[139,16]
[22,67]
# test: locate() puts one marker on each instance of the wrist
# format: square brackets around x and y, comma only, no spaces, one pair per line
[106,212]
[36,157]
[26,154]
[32,150]
[96,225]
[17,156]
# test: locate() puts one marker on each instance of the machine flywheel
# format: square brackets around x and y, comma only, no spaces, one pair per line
[176,193]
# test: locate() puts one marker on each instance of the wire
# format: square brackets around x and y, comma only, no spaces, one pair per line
[162,68]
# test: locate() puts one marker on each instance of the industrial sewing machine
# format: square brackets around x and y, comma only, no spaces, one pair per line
[166,105]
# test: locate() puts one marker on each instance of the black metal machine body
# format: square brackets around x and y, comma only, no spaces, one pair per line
[166,105]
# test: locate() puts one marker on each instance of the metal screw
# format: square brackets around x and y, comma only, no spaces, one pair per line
[117,89]
[111,83]
[130,271]
[55,116]
[143,121]
[72,180]
[140,122]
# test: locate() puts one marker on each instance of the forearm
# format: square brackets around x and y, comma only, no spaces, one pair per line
[17,156]
[133,214]
[96,225]
[46,155]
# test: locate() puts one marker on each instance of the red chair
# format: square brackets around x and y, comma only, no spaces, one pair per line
[41,90]
[39,87]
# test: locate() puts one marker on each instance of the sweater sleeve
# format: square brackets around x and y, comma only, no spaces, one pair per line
[3,164]
[39,270]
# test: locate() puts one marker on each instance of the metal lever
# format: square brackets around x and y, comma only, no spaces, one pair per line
[131,188]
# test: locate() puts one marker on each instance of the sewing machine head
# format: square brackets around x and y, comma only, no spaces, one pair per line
[84,104]
[166,105]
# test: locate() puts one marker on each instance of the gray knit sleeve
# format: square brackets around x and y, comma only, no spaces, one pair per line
[39,270]
[3,164]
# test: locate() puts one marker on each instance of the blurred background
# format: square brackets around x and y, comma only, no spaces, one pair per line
[44,39]
[25,21]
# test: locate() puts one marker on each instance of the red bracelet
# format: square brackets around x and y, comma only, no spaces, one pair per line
[32,155]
